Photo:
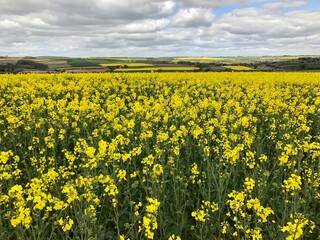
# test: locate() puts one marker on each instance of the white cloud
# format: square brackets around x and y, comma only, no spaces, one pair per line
[280,4]
[147,25]
[265,24]
[163,27]
[193,17]
[8,24]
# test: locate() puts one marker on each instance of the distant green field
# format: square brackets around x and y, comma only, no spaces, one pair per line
[156,69]
[88,62]
[200,59]
[126,64]
[168,64]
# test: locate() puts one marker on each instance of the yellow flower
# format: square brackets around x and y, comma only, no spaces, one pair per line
[111,189]
[90,151]
[195,172]
[66,224]
[133,175]
[263,158]
[148,160]
[23,217]
[199,215]
[149,224]
[249,184]
[122,237]
[71,192]
[153,205]
[295,228]
[262,212]
[224,226]
[194,169]
[59,205]
[4,199]
[207,208]
[114,202]
[122,174]
[174,237]
[157,169]
[256,234]
[130,124]
[51,131]
[15,191]
[102,148]
[236,200]
[40,203]
[292,183]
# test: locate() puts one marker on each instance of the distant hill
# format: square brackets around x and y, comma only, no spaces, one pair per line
[161,64]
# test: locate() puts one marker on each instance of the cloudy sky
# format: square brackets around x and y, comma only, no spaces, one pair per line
[83,28]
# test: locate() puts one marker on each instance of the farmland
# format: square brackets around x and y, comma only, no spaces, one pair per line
[200,59]
[158,69]
[125,64]
[160,156]
[239,68]
[161,64]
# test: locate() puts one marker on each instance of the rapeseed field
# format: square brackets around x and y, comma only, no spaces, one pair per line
[160,156]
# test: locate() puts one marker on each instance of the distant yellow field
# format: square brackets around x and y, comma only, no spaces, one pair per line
[157,69]
[127,64]
[289,58]
[239,68]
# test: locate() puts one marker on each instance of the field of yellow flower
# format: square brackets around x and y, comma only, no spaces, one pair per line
[160,156]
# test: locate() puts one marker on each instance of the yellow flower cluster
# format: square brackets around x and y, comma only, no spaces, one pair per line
[292,183]
[261,211]
[174,237]
[203,214]
[149,221]
[21,211]
[66,224]
[245,209]
[294,228]
[129,155]
[249,184]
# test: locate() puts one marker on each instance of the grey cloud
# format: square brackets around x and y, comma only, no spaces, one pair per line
[301,23]
[150,28]
[82,12]
[284,4]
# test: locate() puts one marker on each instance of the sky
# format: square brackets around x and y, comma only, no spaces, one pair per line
[163,28]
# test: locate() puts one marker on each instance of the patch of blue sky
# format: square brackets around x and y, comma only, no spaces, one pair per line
[312,5]
[229,8]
